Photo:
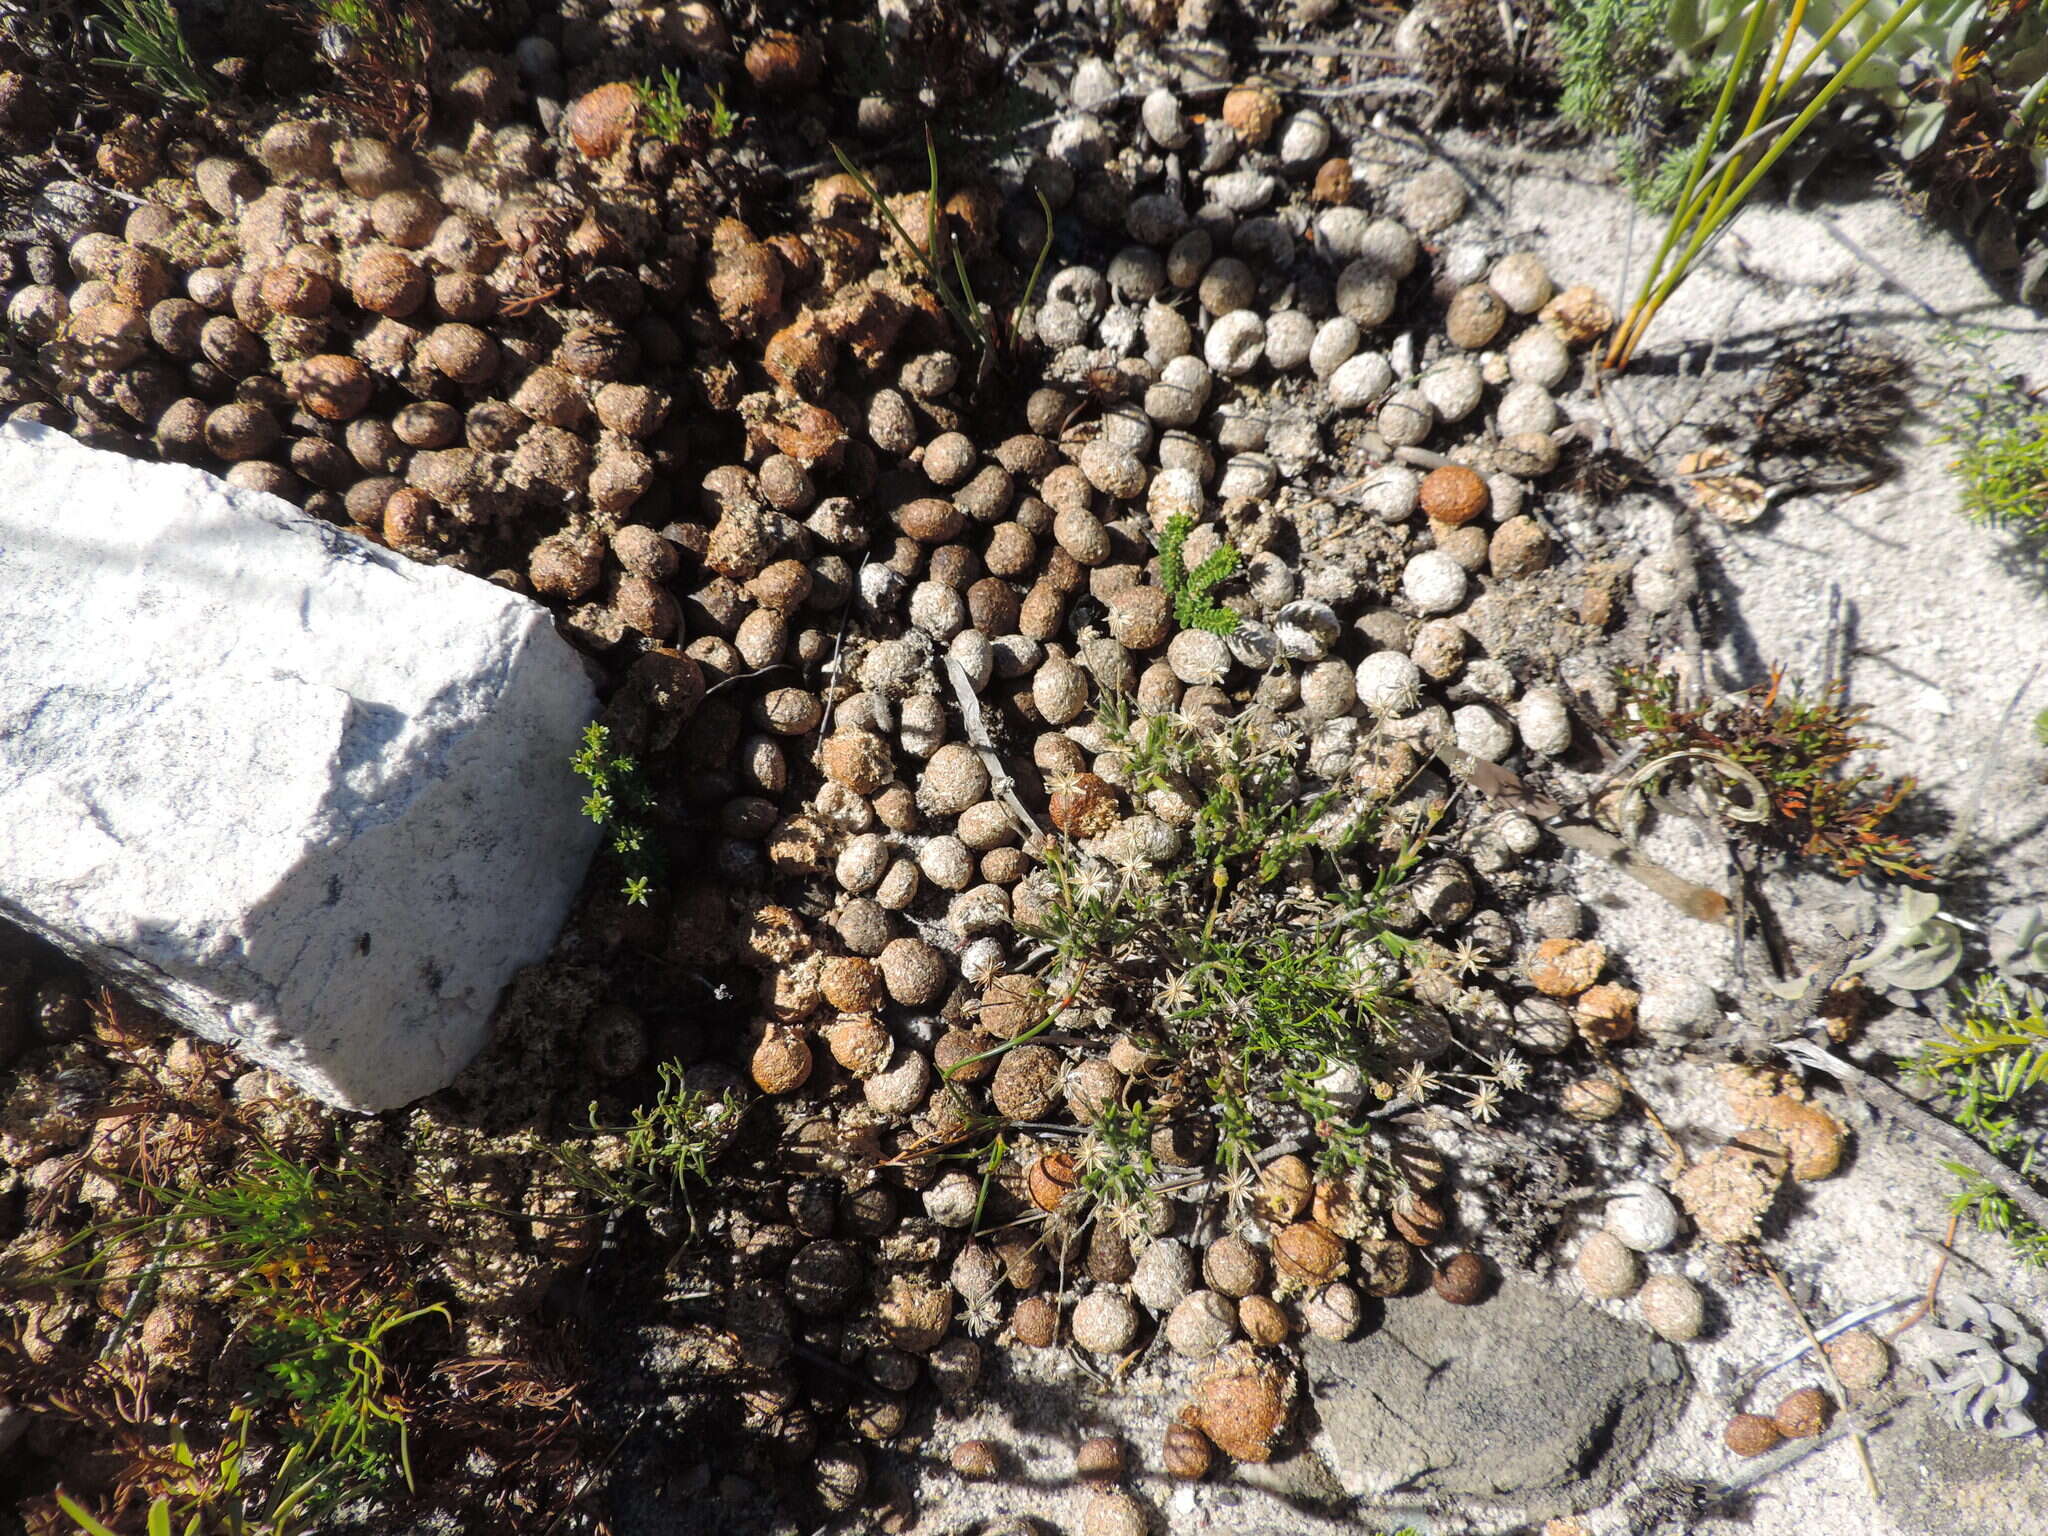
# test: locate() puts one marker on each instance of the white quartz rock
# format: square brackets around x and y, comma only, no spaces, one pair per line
[303,796]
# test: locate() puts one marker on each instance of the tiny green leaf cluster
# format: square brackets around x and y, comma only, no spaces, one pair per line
[659,1154]
[151,41]
[619,799]
[1990,1064]
[1193,607]
[666,112]
[2004,470]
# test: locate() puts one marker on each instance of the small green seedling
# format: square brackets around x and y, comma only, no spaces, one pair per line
[1193,608]
[2004,470]
[662,1152]
[618,801]
[666,113]
[1775,766]
[152,43]
[1990,1065]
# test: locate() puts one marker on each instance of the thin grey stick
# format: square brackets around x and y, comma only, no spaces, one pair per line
[1881,1095]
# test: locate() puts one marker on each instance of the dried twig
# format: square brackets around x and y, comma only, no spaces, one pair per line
[1926,1307]
[1827,1364]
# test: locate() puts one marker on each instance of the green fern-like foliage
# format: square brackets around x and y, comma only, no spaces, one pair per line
[1193,607]
[1990,1065]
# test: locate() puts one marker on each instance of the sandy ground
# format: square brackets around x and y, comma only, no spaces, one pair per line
[1942,628]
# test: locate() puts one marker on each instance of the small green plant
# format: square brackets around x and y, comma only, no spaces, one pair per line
[2004,470]
[666,112]
[381,52]
[327,1366]
[1990,1064]
[1714,190]
[724,121]
[992,336]
[662,1151]
[1193,608]
[151,41]
[1773,765]
[619,801]
[1258,960]
[276,1217]
[215,1494]
[2041,729]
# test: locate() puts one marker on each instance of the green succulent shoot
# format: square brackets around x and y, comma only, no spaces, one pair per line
[1193,607]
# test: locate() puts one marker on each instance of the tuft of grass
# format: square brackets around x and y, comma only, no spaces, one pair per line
[662,1152]
[1260,960]
[1774,766]
[666,112]
[2004,473]
[992,336]
[152,44]
[1715,189]
[1193,608]
[312,1262]
[216,1493]
[328,1367]
[620,799]
[1990,1065]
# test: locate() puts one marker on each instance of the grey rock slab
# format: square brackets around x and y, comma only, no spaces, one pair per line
[1936,1477]
[1527,1401]
[303,796]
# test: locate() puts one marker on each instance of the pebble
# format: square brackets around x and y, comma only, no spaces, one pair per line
[1160,113]
[1360,381]
[1167,332]
[1434,582]
[1304,139]
[1482,732]
[1526,408]
[1676,1007]
[1431,201]
[1543,719]
[1165,1274]
[1094,86]
[1198,657]
[1248,474]
[1137,274]
[1290,338]
[1337,341]
[1522,282]
[1156,218]
[1200,1324]
[1307,630]
[1243,191]
[1453,388]
[1392,494]
[1406,419]
[1365,293]
[1105,1322]
[1644,1219]
[1235,343]
[1672,1307]
[1606,1267]
[1539,357]
[1388,683]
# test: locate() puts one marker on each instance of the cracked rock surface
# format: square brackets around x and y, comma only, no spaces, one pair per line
[1533,1401]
